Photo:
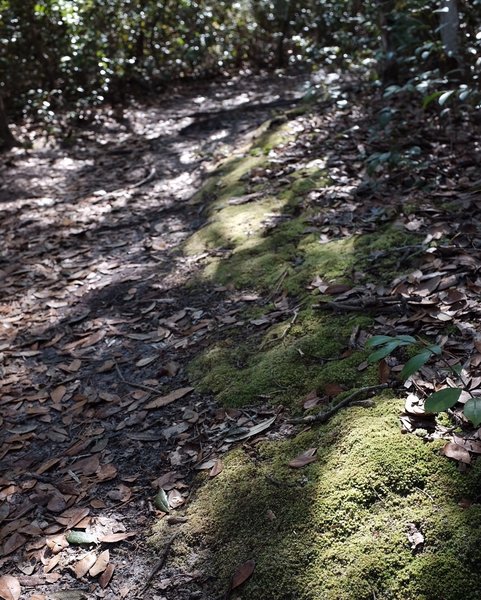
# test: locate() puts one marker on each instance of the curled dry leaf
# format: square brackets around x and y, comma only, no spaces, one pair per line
[9,588]
[307,457]
[243,572]
[217,468]
[457,453]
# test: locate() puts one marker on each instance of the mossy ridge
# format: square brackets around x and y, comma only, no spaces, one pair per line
[337,529]
[283,367]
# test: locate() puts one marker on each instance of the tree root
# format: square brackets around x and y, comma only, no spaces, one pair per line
[324,416]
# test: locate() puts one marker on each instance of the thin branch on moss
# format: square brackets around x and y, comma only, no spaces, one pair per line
[324,416]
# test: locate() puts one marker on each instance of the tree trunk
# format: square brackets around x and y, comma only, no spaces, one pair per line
[449,28]
[389,68]
[6,137]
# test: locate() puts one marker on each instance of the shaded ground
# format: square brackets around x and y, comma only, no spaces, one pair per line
[229,239]
[95,293]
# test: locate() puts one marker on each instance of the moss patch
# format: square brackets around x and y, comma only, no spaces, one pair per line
[338,528]
[283,366]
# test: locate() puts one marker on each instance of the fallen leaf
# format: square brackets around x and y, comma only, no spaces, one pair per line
[456,452]
[307,457]
[172,397]
[311,400]
[262,426]
[333,389]
[243,572]
[58,393]
[14,542]
[100,564]
[81,537]
[217,468]
[9,588]
[113,538]
[161,501]
[384,371]
[106,576]
[337,288]
[175,499]
[82,567]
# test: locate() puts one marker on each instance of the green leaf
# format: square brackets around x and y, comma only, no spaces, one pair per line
[80,537]
[435,349]
[383,352]
[161,501]
[444,97]
[415,363]
[472,411]
[442,400]
[406,339]
[378,340]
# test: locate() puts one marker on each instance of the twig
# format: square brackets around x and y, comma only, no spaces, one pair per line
[291,323]
[158,566]
[324,416]
[147,388]
[145,180]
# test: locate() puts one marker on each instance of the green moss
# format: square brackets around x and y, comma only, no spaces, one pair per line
[288,362]
[338,528]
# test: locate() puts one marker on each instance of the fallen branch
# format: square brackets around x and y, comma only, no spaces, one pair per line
[140,386]
[157,567]
[324,416]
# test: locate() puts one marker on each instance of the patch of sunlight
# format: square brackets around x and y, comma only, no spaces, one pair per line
[338,529]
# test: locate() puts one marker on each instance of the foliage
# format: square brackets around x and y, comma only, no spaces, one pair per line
[438,401]
[54,52]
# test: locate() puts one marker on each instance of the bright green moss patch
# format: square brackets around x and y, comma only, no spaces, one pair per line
[285,364]
[338,529]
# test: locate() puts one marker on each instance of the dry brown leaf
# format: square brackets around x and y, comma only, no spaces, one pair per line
[58,393]
[311,400]
[87,466]
[175,498]
[143,362]
[9,588]
[172,397]
[52,563]
[307,457]
[217,468]
[112,538]
[70,517]
[100,564]
[106,472]
[106,576]
[384,371]
[456,452]
[243,572]
[82,567]
[336,288]
[333,389]
[14,542]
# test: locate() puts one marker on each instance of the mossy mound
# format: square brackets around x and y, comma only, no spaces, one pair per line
[338,529]
[284,367]
[377,514]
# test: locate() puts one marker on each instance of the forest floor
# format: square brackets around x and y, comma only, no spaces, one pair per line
[183,279]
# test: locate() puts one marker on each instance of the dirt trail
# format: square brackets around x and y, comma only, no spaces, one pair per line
[97,321]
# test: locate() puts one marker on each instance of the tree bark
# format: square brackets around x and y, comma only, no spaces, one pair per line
[7,140]
[449,28]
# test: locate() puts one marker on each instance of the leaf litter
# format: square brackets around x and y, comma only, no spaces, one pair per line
[97,328]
